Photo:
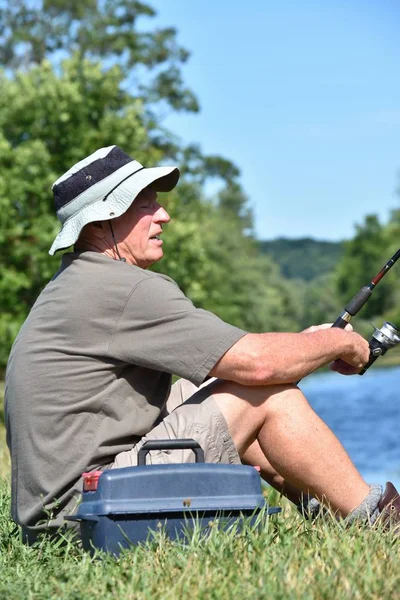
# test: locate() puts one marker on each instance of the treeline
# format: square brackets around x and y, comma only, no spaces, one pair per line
[76,77]
[326,275]
[303,258]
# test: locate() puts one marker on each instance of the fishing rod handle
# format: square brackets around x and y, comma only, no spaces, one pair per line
[358,301]
[352,307]
[342,321]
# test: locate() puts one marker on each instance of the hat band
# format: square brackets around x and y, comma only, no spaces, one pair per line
[121,182]
[100,190]
[91,170]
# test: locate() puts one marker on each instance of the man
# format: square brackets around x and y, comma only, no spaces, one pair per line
[89,375]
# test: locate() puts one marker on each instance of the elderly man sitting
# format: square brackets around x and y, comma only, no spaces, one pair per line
[89,375]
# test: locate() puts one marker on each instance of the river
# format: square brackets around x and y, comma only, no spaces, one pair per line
[364,413]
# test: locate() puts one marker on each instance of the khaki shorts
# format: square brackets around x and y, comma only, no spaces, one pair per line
[191,413]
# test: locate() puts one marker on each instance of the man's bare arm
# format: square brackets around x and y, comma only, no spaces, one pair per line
[274,358]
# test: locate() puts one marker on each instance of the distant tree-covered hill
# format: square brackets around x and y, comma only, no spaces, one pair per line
[303,258]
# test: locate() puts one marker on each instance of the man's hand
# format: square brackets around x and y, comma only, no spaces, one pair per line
[349,327]
[339,366]
[350,363]
[280,358]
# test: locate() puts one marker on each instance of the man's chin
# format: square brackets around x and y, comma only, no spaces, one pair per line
[151,260]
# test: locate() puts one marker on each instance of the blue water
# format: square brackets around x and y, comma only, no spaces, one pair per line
[364,413]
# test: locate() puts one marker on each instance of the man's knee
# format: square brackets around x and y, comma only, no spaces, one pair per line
[246,409]
[269,398]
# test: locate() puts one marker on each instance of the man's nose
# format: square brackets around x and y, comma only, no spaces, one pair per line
[161,215]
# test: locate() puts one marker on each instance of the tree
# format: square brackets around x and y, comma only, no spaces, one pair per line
[392,232]
[303,258]
[363,257]
[48,122]
[82,76]
[320,301]
[105,30]
[220,268]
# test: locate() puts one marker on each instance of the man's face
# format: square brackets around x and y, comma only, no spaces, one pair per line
[137,231]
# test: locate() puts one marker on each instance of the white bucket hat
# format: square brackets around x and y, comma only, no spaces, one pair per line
[102,187]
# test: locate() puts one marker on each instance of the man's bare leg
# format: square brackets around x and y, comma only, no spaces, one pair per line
[295,441]
[255,456]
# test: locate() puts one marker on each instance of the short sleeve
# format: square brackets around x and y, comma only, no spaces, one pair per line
[161,329]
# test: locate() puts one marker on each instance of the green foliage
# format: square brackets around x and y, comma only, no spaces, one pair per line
[285,558]
[53,113]
[373,245]
[48,122]
[363,257]
[393,239]
[218,266]
[319,300]
[308,268]
[97,30]
[303,258]
[81,76]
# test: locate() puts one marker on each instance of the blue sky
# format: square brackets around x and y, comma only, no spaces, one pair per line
[304,97]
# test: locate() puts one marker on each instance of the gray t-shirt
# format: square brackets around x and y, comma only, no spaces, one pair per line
[90,371]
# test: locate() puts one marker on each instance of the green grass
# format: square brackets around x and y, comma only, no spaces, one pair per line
[4,454]
[288,558]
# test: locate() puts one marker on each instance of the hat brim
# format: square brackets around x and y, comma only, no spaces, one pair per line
[161,179]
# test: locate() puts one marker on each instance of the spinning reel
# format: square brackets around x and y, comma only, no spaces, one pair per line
[388,336]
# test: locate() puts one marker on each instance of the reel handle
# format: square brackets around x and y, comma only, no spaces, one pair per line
[388,336]
[375,351]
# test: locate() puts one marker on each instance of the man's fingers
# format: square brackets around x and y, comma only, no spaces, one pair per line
[317,327]
[349,327]
[342,367]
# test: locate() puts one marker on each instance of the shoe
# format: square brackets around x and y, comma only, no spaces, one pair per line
[389,507]
[311,509]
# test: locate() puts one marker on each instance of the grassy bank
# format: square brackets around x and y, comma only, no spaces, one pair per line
[288,558]
[4,454]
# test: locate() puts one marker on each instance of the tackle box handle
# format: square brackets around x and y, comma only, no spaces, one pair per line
[188,444]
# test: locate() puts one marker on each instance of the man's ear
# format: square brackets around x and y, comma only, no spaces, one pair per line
[97,229]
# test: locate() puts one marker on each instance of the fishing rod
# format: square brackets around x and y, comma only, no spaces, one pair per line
[388,335]
[358,301]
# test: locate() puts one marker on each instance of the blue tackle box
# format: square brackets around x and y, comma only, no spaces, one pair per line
[120,507]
